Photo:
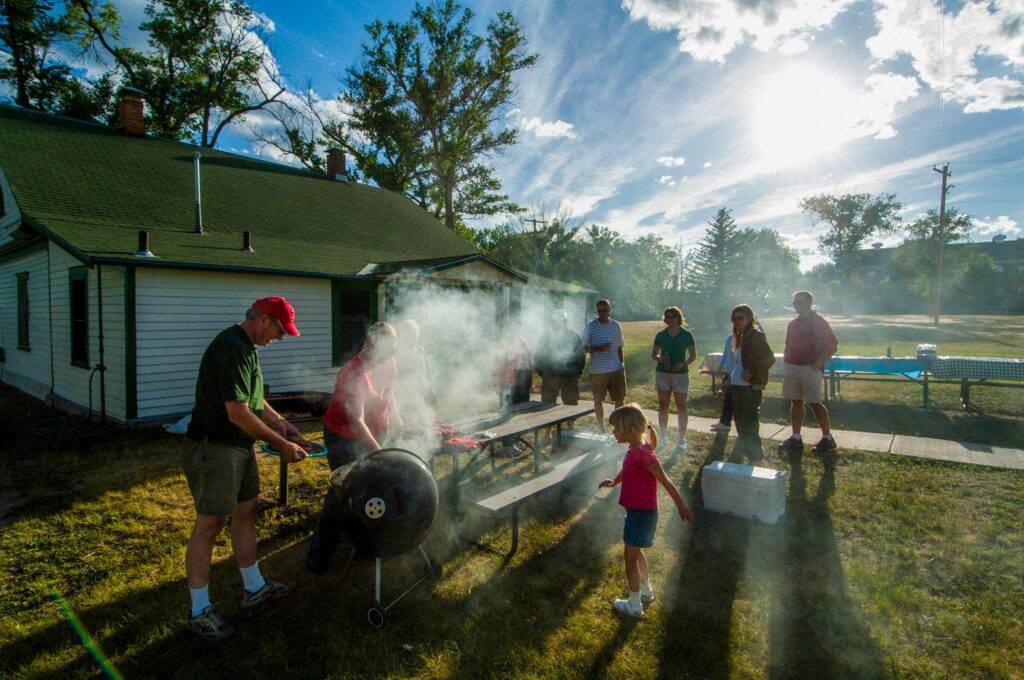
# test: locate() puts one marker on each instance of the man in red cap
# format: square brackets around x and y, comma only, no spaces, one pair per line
[230,413]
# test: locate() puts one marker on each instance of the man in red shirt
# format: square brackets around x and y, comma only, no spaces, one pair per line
[810,343]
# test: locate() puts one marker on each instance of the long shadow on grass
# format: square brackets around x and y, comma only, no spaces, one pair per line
[815,630]
[699,593]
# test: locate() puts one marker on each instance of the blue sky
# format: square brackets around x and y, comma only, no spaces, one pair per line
[647,116]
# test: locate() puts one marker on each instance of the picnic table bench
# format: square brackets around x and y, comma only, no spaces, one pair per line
[513,498]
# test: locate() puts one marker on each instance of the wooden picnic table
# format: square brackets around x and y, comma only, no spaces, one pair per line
[534,418]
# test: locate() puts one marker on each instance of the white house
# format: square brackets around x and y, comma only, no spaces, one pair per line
[114,277]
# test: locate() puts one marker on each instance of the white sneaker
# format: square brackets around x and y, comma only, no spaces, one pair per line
[646,598]
[720,427]
[682,445]
[624,608]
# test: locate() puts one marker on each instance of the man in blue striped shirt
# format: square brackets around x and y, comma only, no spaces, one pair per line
[602,340]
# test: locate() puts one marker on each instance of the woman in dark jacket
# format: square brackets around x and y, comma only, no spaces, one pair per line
[754,357]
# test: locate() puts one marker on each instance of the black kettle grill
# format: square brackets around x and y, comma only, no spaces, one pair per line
[389,500]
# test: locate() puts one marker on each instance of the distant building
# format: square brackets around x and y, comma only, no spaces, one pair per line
[1007,255]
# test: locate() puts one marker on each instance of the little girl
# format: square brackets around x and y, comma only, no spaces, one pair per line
[640,474]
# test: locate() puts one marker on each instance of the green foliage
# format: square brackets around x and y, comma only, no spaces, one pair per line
[27,32]
[424,111]
[715,264]
[206,67]
[850,219]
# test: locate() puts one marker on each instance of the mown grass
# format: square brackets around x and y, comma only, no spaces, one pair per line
[883,568]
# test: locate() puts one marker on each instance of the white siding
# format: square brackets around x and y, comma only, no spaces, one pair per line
[72,382]
[27,370]
[178,313]
[50,317]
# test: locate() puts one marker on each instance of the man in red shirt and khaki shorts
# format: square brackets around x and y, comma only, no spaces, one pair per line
[810,343]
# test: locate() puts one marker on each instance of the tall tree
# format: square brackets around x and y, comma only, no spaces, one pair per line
[28,30]
[770,268]
[714,263]
[208,65]
[424,111]
[850,220]
[934,234]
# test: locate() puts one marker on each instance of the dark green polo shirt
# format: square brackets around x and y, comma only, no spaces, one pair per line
[674,348]
[229,371]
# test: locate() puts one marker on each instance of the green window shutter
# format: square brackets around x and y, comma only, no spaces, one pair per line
[23,335]
[78,294]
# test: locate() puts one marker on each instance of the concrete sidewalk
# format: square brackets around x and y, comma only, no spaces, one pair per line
[896,444]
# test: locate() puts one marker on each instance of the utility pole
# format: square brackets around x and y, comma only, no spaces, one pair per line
[535,222]
[937,287]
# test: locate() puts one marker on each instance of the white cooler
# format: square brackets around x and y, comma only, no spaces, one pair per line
[744,491]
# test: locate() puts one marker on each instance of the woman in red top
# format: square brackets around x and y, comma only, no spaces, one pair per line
[361,409]
[639,477]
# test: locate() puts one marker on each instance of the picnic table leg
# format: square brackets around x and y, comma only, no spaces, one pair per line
[536,451]
[965,393]
[925,387]
[515,539]
[282,495]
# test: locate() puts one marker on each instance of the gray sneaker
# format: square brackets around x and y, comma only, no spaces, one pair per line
[825,445]
[646,598]
[210,625]
[682,445]
[271,590]
[792,444]
[624,608]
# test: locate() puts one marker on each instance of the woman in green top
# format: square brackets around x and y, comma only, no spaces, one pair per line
[674,350]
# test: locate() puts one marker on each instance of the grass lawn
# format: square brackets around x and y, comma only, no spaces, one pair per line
[883,568]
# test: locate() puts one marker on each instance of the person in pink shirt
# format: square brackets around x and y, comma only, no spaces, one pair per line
[361,412]
[641,471]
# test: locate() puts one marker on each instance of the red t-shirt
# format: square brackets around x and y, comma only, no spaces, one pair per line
[358,384]
[805,339]
[639,488]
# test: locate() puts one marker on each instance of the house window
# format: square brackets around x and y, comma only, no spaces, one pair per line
[78,293]
[23,337]
[353,309]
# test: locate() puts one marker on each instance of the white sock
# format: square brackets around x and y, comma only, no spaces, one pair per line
[796,435]
[200,599]
[634,599]
[645,588]
[252,577]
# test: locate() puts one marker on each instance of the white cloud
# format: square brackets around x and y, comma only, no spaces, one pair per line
[708,164]
[556,129]
[973,57]
[988,227]
[671,161]
[667,179]
[709,31]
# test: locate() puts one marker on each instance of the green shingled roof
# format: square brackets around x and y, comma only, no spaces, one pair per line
[95,188]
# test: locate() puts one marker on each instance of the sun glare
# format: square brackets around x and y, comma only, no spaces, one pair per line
[800,113]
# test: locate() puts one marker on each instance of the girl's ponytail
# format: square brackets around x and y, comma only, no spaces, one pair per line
[652,437]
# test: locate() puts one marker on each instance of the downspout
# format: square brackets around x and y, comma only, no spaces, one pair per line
[100,366]
[49,315]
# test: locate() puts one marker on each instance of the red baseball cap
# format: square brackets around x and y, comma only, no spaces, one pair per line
[278,308]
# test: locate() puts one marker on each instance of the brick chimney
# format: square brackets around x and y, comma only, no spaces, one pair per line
[129,112]
[336,165]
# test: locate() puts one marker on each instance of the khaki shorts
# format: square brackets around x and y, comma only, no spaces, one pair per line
[613,384]
[802,382]
[675,382]
[219,476]
[568,385]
